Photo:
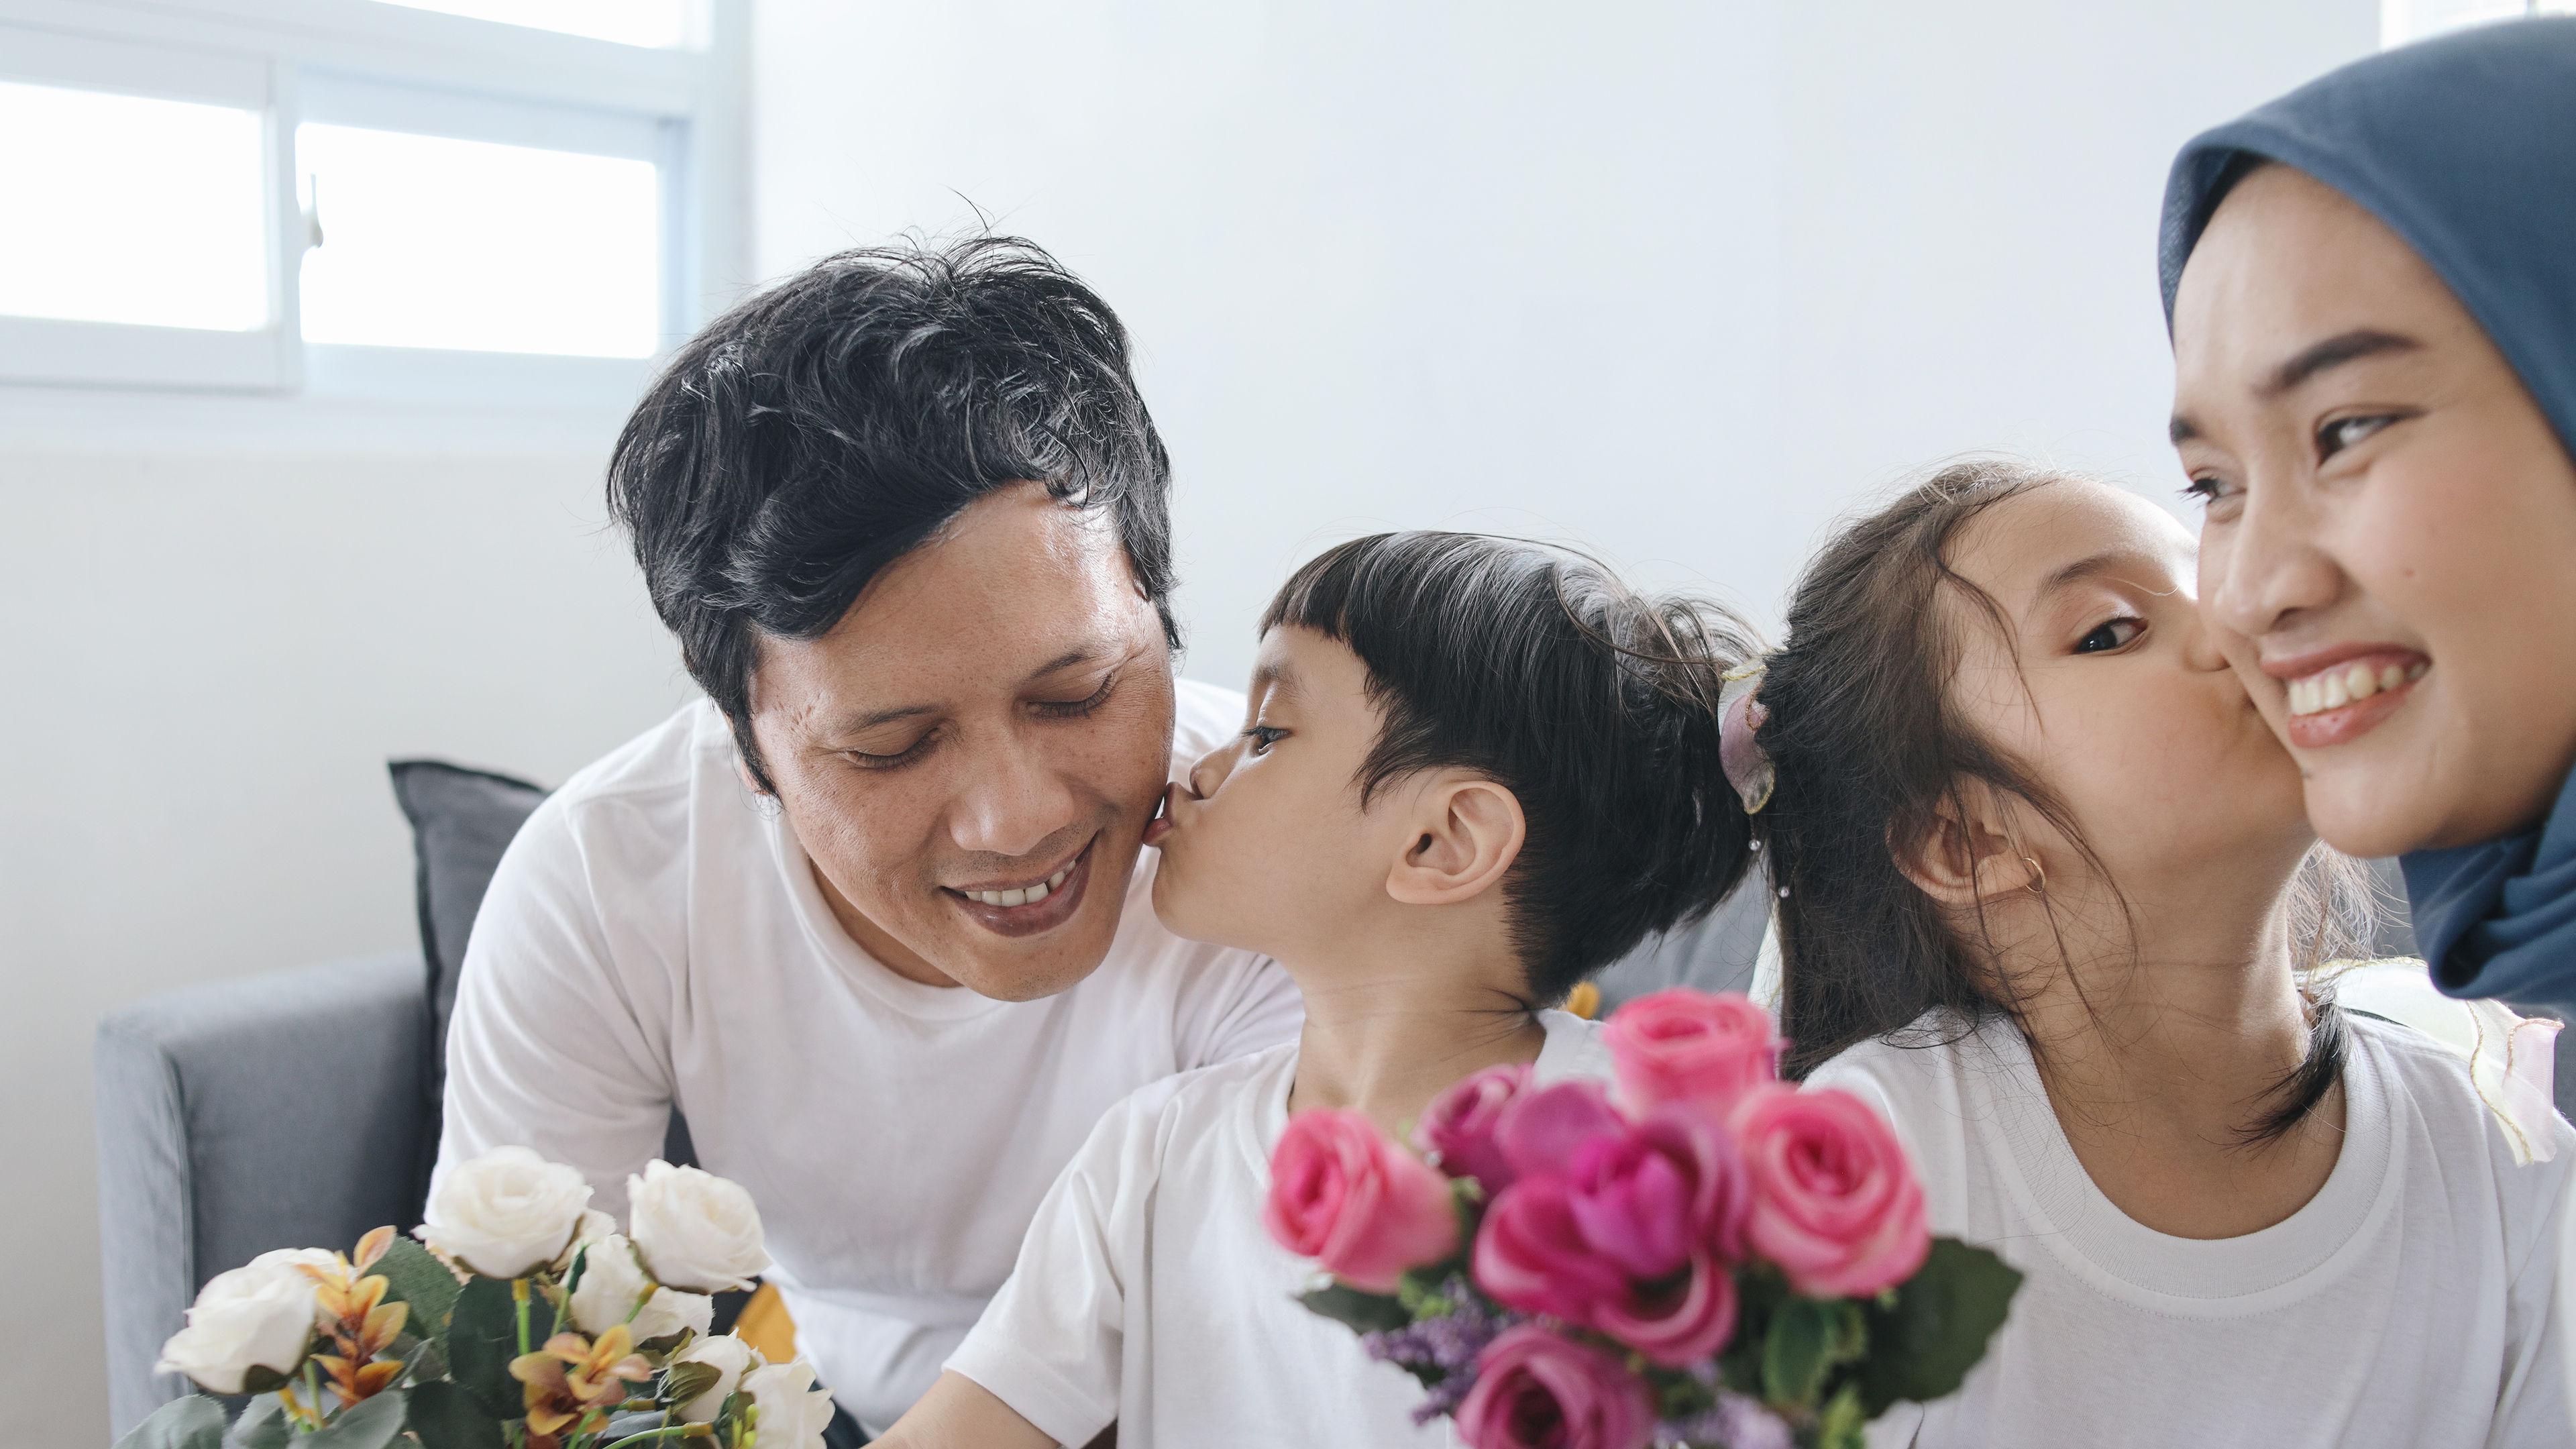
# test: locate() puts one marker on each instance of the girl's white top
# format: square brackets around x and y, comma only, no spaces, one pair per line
[655,938]
[2410,1304]
[1148,1292]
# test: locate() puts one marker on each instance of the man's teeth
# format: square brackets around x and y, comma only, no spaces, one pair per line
[1028,897]
[2349,684]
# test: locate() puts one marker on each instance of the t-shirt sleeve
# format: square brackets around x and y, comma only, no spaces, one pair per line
[1051,1343]
[2535,1406]
[547,1049]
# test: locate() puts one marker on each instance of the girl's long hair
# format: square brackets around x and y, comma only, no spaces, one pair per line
[1868,750]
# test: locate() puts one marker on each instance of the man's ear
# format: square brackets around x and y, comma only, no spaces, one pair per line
[1971,853]
[1466,832]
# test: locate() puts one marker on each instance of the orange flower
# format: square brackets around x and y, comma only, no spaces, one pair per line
[572,1378]
[361,1324]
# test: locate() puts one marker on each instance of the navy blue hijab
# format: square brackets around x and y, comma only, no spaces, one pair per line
[2466,148]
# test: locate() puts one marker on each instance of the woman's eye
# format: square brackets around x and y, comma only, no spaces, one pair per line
[1263,737]
[2110,636]
[2342,433]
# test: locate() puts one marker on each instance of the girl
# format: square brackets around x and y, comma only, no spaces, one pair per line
[1476,771]
[2040,863]
[2372,287]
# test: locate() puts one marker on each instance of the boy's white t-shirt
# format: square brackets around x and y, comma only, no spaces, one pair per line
[2410,1304]
[1148,1292]
[655,937]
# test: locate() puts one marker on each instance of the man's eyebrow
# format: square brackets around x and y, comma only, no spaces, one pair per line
[2334,352]
[861,723]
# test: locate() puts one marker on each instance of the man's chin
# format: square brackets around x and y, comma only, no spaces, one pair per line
[1025,980]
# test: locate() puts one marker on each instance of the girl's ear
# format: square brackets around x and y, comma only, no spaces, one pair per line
[1466,832]
[1971,854]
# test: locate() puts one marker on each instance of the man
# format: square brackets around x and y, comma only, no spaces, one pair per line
[872,914]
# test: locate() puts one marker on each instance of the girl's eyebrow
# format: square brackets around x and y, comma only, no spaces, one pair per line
[2110,561]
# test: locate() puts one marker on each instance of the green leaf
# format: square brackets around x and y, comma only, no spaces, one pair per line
[259,1378]
[483,1337]
[263,1425]
[686,1381]
[1362,1311]
[1797,1352]
[195,1422]
[1843,1425]
[412,1275]
[1923,1343]
[446,1417]
[369,1425]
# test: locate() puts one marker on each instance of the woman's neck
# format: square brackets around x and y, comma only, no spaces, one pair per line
[1386,1031]
[2160,1050]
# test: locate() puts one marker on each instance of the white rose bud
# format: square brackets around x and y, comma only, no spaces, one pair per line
[731,1358]
[610,1284]
[260,1315]
[791,1408]
[594,1225]
[694,1230]
[505,1213]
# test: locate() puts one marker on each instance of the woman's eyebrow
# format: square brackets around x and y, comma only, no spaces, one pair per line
[2334,352]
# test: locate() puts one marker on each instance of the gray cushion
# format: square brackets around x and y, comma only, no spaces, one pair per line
[461,822]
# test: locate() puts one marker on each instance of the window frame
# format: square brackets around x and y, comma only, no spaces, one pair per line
[480,72]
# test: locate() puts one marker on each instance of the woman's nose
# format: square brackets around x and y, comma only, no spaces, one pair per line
[2265,567]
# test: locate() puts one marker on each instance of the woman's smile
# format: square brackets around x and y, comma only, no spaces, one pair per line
[2342,692]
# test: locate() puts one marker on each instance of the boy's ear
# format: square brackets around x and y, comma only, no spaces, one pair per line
[1466,833]
[1970,854]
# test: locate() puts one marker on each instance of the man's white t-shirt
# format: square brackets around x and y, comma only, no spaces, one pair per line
[655,938]
[1148,1292]
[2410,1304]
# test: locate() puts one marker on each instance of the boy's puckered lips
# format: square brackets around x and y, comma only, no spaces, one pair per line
[1163,824]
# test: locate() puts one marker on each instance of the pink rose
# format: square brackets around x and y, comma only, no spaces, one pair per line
[1676,1324]
[1691,1046]
[1535,1390]
[1343,1194]
[1540,1131]
[1660,1191]
[1531,1254]
[1461,1123]
[1835,1203]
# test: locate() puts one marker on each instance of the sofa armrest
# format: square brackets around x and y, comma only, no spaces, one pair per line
[276,1111]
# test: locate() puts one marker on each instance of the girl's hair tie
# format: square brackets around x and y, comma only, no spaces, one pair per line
[1739,754]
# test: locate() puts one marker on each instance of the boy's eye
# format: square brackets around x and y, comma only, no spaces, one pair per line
[2110,636]
[1263,737]
[2343,433]
[2207,489]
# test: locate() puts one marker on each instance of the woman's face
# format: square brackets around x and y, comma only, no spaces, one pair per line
[2390,547]
[2105,682]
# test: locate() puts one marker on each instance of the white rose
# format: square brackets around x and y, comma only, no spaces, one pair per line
[790,1406]
[610,1284]
[506,1212]
[731,1358]
[594,1225]
[260,1314]
[693,1229]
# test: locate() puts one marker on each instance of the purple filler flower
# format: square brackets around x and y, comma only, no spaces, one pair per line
[1449,1343]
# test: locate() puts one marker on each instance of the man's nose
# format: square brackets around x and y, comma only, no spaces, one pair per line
[2266,567]
[1012,801]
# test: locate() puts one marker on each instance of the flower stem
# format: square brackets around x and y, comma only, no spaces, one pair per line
[313,1390]
[519,1296]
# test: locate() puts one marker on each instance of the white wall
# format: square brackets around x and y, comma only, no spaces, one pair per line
[207,657]
[1682,280]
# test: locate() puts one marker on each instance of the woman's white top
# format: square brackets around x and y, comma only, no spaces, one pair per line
[655,938]
[1148,1292]
[2410,1304]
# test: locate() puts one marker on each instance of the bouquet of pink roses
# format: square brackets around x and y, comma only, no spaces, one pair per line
[1703,1256]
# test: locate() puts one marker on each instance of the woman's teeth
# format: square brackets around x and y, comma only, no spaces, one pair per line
[2348,684]
[1028,897]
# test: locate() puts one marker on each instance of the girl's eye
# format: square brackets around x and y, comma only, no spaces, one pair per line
[2342,433]
[1263,737]
[2113,635]
[2205,488]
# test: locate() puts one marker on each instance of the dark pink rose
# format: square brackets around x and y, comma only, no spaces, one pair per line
[1343,1194]
[1835,1203]
[1670,1186]
[1462,1121]
[1541,1130]
[1531,1254]
[1535,1390]
[1676,1322]
[1681,1045]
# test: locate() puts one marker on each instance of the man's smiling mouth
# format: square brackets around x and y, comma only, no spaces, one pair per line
[1028,907]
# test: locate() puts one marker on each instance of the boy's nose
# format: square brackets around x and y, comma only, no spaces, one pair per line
[1210,772]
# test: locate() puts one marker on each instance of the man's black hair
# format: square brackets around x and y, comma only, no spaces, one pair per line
[1596,707]
[827,427]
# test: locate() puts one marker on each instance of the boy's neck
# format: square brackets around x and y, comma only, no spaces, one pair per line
[1388,1028]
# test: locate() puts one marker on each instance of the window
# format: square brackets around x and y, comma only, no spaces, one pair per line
[2401,21]
[449,198]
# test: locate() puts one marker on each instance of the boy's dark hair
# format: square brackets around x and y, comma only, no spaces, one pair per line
[1867,748]
[827,427]
[1594,706]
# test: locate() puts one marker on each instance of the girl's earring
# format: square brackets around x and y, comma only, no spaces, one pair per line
[2039,887]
